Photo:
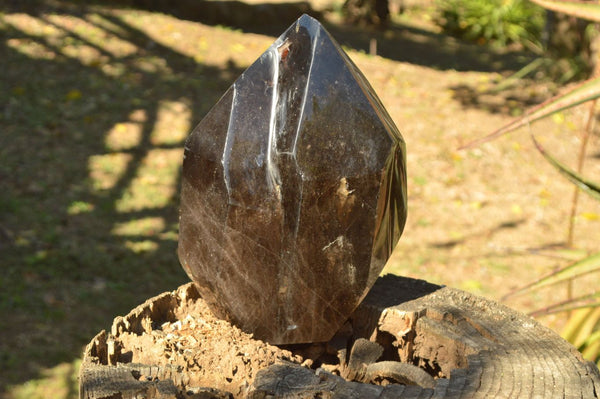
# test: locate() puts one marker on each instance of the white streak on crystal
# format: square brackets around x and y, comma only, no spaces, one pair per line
[229,146]
[312,61]
[300,122]
[352,273]
[273,177]
[340,242]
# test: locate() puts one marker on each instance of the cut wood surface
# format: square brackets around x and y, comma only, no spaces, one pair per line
[407,339]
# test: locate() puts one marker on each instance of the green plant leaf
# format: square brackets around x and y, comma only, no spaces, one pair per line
[576,269]
[520,74]
[575,323]
[587,328]
[591,348]
[583,92]
[587,186]
[581,9]
[583,302]
[581,330]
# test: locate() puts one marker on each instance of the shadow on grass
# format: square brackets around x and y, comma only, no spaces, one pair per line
[509,101]
[508,225]
[398,42]
[90,175]
[420,47]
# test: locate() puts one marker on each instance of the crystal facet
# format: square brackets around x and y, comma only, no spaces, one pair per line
[293,192]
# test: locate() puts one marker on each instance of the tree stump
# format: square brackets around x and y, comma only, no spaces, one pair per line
[407,339]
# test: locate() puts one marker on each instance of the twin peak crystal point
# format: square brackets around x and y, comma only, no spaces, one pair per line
[293,192]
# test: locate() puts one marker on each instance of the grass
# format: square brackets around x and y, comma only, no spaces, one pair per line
[94,113]
[95,103]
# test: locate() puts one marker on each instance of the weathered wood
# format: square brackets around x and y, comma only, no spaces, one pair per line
[438,341]
[362,354]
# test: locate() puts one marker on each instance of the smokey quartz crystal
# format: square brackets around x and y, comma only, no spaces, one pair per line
[293,192]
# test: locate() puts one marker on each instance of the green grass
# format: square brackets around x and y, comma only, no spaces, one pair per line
[94,107]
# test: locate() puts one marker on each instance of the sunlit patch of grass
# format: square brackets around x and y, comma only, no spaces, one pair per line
[115,69]
[170,235]
[149,226]
[105,170]
[77,207]
[472,285]
[151,65]
[496,266]
[194,40]
[173,123]
[92,35]
[124,135]
[32,26]
[88,55]
[74,38]
[167,34]
[31,48]
[59,382]
[155,183]
[106,24]
[141,246]
[419,180]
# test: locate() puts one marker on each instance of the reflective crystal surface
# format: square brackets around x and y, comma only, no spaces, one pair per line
[293,192]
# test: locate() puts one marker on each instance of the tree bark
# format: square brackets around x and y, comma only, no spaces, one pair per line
[408,339]
[366,12]
[573,44]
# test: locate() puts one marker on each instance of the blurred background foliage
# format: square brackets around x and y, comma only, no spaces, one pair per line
[500,22]
[565,42]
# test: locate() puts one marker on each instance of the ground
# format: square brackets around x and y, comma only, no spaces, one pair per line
[96,102]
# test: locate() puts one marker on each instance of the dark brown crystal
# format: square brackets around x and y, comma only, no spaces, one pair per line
[293,192]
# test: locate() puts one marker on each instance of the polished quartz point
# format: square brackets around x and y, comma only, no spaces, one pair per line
[293,192]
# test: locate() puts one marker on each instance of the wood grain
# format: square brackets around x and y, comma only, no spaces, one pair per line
[470,347]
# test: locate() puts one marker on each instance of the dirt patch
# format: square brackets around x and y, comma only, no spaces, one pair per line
[211,351]
[185,343]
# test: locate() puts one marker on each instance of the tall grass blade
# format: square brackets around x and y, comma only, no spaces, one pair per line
[582,331]
[587,327]
[520,74]
[575,323]
[587,186]
[583,302]
[581,9]
[588,265]
[567,254]
[583,92]
[591,347]
[580,161]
